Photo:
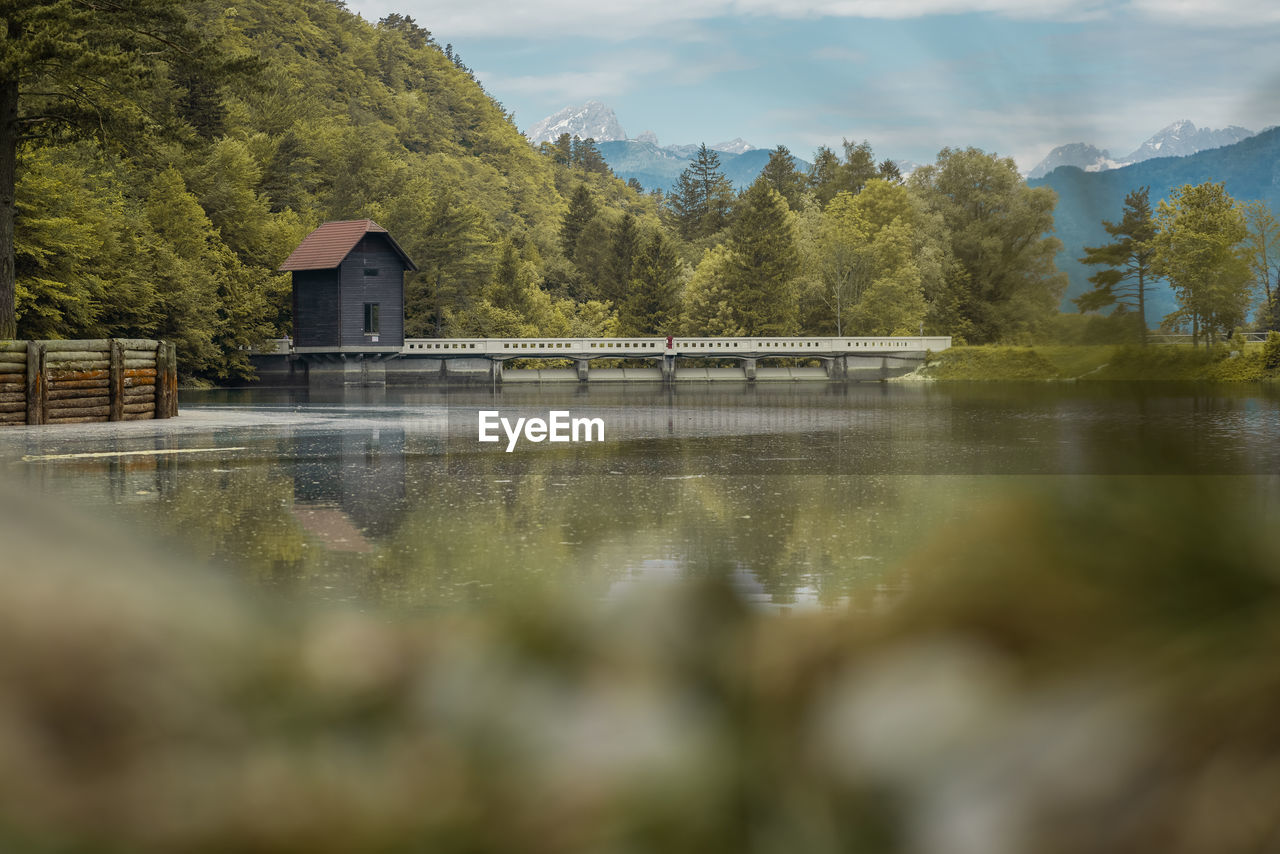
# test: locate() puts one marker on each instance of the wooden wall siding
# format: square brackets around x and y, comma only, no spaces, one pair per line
[315,308]
[386,289]
[103,379]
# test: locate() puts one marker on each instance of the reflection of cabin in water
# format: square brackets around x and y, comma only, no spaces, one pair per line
[348,289]
[349,487]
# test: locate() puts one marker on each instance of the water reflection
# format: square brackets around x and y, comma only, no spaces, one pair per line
[802,497]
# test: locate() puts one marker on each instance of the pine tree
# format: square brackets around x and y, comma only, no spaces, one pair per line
[822,175]
[889,171]
[781,174]
[1128,261]
[453,250]
[586,156]
[764,263]
[702,196]
[624,245]
[652,303]
[582,209]
[74,68]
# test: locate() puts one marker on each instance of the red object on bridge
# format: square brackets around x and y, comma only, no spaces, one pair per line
[668,342]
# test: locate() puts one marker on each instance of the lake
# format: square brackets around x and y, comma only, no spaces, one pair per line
[804,496]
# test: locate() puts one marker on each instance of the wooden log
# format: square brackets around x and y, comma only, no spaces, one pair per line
[14,406]
[78,355]
[172,350]
[13,376]
[145,344]
[166,381]
[78,403]
[80,412]
[141,354]
[58,345]
[75,386]
[13,358]
[13,346]
[139,408]
[85,365]
[14,397]
[139,382]
[140,373]
[132,395]
[116,380]
[37,388]
[140,364]
[77,376]
[138,416]
[8,386]
[14,417]
[76,345]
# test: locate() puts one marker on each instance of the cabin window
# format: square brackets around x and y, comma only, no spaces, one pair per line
[371,271]
[371,318]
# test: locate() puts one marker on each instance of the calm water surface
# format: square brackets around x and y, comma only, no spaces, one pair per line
[804,496]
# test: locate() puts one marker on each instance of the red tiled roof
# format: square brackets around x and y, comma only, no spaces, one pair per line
[328,245]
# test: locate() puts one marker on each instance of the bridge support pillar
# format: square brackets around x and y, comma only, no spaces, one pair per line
[884,368]
[837,368]
[582,369]
[749,368]
[495,371]
[668,368]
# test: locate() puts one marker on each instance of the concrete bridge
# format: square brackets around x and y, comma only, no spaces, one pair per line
[674,359]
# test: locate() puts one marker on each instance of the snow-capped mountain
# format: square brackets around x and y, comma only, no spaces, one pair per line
[1082,155]
[737,145]
[592,120]
[1180,139]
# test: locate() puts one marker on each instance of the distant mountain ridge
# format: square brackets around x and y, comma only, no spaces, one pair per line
[655,166]
[1249,170]
[1180,139]
[659,168]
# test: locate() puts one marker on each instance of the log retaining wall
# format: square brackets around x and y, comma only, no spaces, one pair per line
[71,382]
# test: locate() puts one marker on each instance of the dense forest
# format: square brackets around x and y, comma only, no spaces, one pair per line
[170,155]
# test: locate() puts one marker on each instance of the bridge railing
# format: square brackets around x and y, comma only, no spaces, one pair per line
[646,346]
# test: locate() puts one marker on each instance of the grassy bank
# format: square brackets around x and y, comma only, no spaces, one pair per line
[1156,362]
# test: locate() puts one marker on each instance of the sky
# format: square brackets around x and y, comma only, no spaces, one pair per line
[1014,77]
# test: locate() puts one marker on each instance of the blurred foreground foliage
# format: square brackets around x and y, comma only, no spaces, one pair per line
[1079,669]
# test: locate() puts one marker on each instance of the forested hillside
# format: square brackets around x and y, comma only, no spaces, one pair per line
[164,210]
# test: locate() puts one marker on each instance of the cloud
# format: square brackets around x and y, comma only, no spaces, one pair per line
[1212,13]
[597,75]
[621,20]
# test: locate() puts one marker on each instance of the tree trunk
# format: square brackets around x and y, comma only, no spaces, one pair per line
[1142,304]
[8,182]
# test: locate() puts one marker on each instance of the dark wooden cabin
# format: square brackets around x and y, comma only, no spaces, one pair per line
[348,289]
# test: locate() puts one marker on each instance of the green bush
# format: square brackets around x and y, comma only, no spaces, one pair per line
[1271,352]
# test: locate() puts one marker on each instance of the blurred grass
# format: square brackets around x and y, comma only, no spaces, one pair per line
[1084,667]
[1155,362]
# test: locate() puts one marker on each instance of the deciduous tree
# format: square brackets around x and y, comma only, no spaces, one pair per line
[1199,242]
[1262,245]
[1007,284]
